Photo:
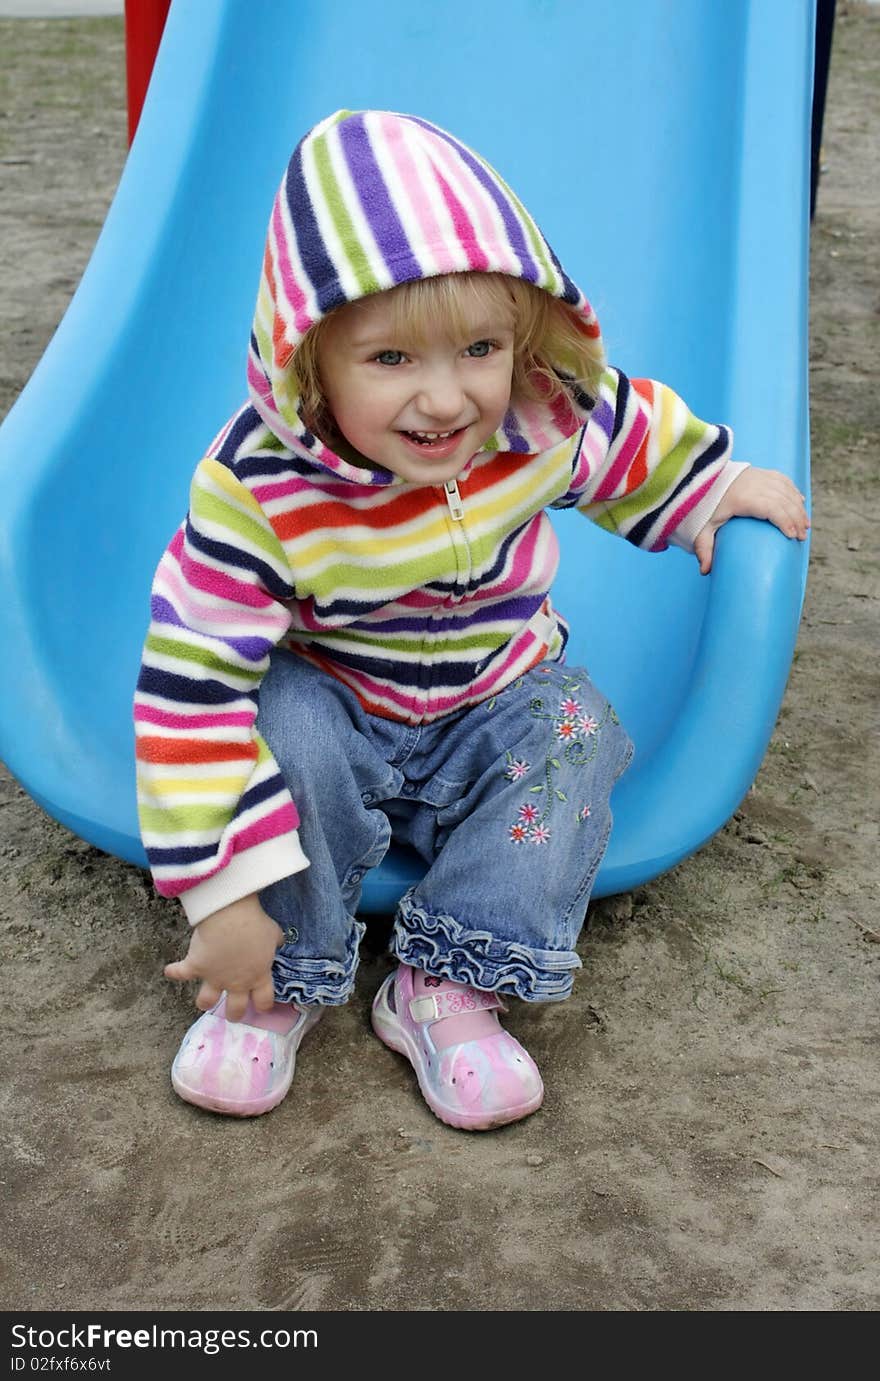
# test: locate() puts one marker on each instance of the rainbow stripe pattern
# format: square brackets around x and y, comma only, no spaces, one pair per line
[370,577]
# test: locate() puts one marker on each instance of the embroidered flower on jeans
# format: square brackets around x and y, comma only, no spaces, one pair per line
[578,734]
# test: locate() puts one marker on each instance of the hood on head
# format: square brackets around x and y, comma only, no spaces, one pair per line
[372,199]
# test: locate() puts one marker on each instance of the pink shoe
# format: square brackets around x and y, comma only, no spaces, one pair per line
[241,1070]
[475,1084]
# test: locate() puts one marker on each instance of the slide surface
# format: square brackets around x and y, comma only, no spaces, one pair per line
[664,149]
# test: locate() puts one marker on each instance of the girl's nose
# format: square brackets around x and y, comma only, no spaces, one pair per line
[440,396]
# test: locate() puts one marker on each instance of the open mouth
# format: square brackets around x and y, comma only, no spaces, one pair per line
[433,438]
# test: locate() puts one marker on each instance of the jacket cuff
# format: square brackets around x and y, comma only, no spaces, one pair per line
[247,872]
[685,534]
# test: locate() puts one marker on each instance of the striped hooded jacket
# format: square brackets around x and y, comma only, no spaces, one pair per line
[424,600]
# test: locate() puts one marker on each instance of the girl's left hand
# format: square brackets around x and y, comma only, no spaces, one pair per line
[755,493]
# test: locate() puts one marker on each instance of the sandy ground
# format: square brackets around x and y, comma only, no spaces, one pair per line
[709,1139]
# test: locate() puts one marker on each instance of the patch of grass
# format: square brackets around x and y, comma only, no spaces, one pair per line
[734,979]
[814,915]
[828,432]
[786,874]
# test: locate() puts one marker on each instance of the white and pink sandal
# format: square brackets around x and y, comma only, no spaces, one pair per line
[474,1076]
[236,1068]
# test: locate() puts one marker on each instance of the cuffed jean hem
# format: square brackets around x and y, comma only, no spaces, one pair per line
[443,947]
[321,982]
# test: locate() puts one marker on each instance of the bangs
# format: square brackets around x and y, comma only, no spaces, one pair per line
[452,305]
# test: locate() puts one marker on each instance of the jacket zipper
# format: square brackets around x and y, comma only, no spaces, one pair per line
[453,500]
[460,544]
[456,512]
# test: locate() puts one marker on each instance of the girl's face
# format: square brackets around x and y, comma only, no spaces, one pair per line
[419,410]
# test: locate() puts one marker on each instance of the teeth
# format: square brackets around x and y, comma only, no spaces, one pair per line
[434,436]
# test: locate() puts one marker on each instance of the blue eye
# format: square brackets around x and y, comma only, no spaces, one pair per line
[480,349]
[389,357]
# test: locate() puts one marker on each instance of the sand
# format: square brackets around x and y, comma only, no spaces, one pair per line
[709,1137]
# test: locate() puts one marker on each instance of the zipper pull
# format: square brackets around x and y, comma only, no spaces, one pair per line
[453,499]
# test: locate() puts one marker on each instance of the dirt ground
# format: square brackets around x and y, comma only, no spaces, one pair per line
[709,1138]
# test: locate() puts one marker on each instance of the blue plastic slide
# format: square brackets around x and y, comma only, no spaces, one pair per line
[663,146]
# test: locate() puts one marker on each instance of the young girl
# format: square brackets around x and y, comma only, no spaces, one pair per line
[356,617]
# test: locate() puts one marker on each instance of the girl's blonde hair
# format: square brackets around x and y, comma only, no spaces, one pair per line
[553,357]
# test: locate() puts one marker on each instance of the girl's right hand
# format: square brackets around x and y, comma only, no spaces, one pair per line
[232,949]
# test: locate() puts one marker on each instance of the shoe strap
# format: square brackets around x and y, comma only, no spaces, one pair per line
[433,1006]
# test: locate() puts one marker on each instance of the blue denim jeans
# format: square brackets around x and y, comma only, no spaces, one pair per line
[507,803]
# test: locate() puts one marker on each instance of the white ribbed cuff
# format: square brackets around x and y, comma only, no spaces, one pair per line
[685,534]
[246,873]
